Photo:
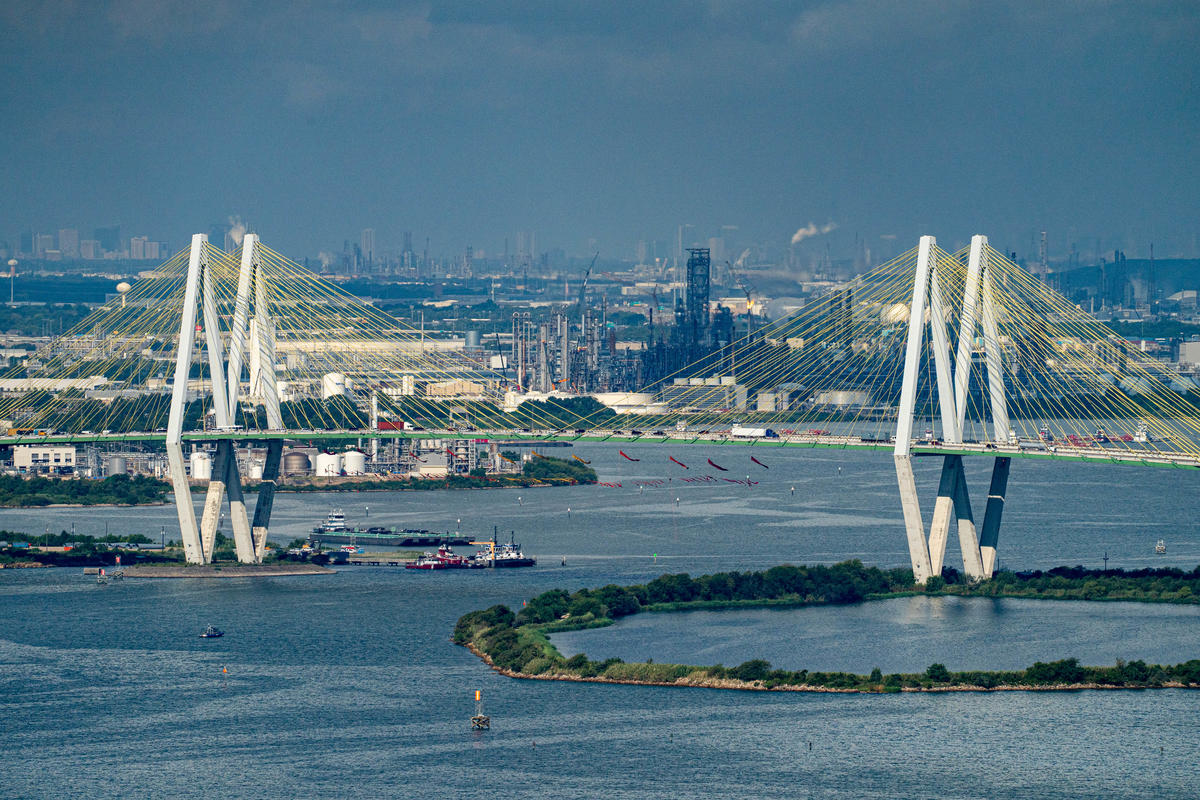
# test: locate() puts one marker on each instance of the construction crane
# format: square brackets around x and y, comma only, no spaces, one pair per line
[583,286]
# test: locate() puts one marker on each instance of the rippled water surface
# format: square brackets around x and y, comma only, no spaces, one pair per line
[347,685]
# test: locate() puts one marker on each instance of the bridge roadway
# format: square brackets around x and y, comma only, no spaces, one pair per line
[1063,452]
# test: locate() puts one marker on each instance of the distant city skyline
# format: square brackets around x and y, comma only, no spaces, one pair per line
[602,126]
[107,243]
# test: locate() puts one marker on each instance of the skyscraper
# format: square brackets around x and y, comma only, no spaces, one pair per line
[41,243]
[368,246]
[68,242]
[109,238]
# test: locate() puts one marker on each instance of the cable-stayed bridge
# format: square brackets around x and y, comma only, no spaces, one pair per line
[931,354]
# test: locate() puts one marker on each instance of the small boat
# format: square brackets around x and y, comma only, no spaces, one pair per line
[212,632]
[426,561]
[1161,547]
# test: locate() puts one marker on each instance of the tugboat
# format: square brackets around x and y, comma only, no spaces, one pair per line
[504,554]
[334,523]
[1161,547]
[212,632]
[444,558]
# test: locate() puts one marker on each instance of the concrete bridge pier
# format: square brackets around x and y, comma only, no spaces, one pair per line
[953,499]
[991,515]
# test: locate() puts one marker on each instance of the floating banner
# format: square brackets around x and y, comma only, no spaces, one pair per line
[756,461]
[580,460]
[622,452]
[717,466]
[677,461]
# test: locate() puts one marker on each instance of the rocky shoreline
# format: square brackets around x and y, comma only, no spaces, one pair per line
[224,570]
[759,686]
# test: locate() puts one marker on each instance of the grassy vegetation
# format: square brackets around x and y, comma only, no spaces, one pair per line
[517,643]
[19,492]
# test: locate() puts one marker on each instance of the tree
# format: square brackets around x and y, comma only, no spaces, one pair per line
[938,673]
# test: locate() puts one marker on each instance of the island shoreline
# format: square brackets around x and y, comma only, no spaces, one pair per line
[759,686]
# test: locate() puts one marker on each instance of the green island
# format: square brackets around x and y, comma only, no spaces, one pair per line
[124,490]
[517,644]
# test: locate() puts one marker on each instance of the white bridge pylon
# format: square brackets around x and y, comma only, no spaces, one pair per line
[199,298]
[978,309]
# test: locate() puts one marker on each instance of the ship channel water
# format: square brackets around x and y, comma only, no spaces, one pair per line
[347,685]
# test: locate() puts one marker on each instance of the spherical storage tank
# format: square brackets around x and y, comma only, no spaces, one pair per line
[329,464]
[116,465]
[354,462]
[333,384]
[296,464]
[201,467]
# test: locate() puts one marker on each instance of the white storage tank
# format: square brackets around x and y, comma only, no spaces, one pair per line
[256,470]
[116,465]
[329,464]
[333,384]
[354,463]
[201,467]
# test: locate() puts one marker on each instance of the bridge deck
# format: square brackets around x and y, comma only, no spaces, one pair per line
[1089,454]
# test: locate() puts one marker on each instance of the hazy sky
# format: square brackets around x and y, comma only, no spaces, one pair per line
[615,121]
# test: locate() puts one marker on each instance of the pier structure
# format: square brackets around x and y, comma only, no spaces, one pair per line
[201,300]
[951,386]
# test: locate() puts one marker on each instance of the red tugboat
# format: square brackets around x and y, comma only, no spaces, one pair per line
[444,558]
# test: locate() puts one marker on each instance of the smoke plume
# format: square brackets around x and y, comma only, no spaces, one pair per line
[237,229]
[812,230]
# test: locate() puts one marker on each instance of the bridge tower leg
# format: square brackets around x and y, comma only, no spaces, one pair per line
[266,497]
[188,532]
[251,538]
[991,515]
[213,499]
[918,548]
